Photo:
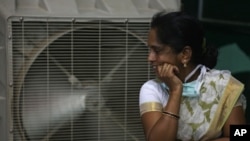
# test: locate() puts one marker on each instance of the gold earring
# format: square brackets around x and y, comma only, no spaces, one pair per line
[185,63]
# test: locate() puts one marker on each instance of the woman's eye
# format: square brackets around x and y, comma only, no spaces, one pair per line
[157,50]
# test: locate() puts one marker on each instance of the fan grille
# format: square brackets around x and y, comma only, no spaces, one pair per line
[78,79]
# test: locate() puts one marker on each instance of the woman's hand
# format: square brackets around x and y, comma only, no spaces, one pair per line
[157,126]
[167,73]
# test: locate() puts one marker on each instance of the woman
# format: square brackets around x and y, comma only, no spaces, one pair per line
[189,100]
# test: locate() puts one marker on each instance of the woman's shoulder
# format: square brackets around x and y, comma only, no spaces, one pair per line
[220,80]
[151,83]
[153,91]
[218,76]
[218,72]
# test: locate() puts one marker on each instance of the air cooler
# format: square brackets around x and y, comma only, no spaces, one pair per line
[72,70]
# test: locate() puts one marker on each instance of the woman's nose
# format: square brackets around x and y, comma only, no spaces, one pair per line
[151,56]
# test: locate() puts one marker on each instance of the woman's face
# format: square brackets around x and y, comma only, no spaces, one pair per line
[160,53]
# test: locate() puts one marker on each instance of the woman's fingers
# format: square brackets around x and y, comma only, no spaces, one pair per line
[175,69]
[166,70]
[159,69]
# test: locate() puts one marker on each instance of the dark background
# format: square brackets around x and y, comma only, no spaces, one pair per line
[227,22]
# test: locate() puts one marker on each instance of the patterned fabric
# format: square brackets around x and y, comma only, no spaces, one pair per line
[202,117]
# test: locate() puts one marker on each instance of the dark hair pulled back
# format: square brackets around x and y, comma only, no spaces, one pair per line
[178,29]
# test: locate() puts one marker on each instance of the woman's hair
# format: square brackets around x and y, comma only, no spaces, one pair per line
[178,29]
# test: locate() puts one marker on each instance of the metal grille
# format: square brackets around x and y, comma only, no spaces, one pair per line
[77,79]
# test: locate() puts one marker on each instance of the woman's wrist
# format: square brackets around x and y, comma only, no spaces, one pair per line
[176,89]
[175,93]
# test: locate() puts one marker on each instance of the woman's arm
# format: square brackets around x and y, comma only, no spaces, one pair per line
[237,117]
[162,127]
